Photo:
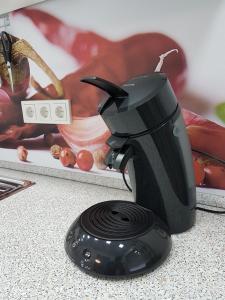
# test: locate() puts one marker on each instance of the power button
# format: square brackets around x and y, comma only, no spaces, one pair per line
[86,254]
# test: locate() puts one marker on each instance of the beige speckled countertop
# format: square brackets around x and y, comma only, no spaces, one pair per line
[34,265]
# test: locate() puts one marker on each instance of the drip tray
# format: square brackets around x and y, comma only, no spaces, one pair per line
[9,186]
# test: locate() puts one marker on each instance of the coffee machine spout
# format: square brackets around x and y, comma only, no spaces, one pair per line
[118,159]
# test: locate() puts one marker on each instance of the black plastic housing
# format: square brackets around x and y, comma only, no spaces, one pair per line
[121,238]
[103,243]
[149,121]
[161,174]
[150,102]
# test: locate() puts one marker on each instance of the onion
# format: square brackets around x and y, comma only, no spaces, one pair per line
[88,133]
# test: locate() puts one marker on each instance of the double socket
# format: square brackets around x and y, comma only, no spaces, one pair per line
[47,111]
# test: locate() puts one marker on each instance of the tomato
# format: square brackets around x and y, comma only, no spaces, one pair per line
[199,172]
[85,160]
[215,176]
[67,157]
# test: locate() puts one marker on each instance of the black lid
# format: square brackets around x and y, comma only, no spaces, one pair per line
[142,103]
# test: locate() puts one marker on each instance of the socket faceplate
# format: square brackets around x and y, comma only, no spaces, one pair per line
[47,111]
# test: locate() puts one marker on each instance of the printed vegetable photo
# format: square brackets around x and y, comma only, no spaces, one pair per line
[55,46]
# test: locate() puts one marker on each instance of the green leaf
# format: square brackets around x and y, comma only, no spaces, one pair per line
[220,111]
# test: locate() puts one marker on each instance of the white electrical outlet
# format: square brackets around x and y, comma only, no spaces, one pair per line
[47,111]
[59,111]
[43,111]
[30,112]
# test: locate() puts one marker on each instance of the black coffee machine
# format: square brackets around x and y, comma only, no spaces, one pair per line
[122,238]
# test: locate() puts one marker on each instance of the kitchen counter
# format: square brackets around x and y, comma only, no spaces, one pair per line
[34,265]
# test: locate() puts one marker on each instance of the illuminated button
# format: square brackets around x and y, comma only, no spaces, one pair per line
[87,253]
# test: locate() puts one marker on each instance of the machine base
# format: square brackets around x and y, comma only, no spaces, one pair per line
[117,239]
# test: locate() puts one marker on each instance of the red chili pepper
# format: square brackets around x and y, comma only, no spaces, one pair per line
[133,56]
[215,176]
[81,44]
[140,52]
[208,172]
[199,172]
[205,136]
[209,138]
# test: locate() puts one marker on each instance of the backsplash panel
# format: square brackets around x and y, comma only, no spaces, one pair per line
[96,38]
[10,5]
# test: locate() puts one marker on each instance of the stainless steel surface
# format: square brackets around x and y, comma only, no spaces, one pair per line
[9,186]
